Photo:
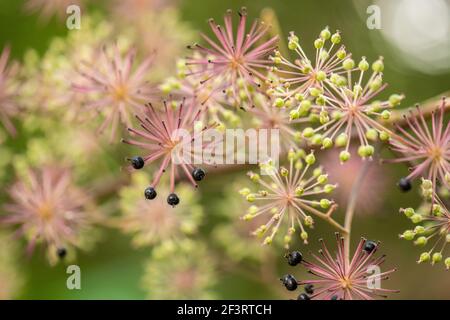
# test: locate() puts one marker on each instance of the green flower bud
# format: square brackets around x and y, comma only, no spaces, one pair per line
[244,191]
[315,92]
[299,191]
[341,54]
[386,114]
[308,132]
[318,43]
[395,99]
[327,143]
[254,177]
[344,156]
[424,257]
[323,178]
[277,60]
[419,230]
[305,105]
[299,97]
[372,134]
[321,75]
[416,218]
[251,197]
[252,210]
[304,235]
[436,258]
[325,203]
[317,139]
[317,172]
[375,106]
[376,83]
[427,184]
[341,140]
[294,114]
[437,210]
[321,100]
[336,38]
[268,241]
[323,117]
[325,34]
[309,221]
[378,66]
[329,188]
[284,172]
[363,64]
[348,64]
[292,45]
[409,212]
[279,103]
[384,136]
[447,263]
[310,159]
[421,241]
[408,235]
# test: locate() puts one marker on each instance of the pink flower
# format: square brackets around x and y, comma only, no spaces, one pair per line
[238,61]
[115,87]
[47,207]
[428,149]
[8,92]
[341,280]
[170,136]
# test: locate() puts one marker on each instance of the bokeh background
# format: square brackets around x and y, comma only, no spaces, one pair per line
[415,42]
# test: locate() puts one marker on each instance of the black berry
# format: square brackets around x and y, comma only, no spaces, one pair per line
[150,193]
[335,297]
[137,162]
[404,184]
[294,258]
[289,282]
[303,296]
[173,199]
[369,246]
[61,252]
[198,174]
[309,288]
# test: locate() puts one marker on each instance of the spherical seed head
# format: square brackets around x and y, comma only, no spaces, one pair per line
[289,282]
[173,199]
[404,184]
[150,193]
[198,174]
[137,162]
[294,258]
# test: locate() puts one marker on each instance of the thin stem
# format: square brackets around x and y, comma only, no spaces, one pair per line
[350,212]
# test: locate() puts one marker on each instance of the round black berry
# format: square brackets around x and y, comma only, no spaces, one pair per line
[404,184]
[369,246]
[335,297]
[309,288]
[173,199]
[137,162]
[289,282]
[198,174]
[150,193]
[61,252]
[303,296]
[294,258]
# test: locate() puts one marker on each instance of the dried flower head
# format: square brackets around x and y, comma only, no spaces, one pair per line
[289,197]
[330,96]
[153,222]
[49,8]
[182,270]
[48,208]
[428,149]
[8,92]
[115,86]
[239,61]
[433,224]
[339,279]
[170,135]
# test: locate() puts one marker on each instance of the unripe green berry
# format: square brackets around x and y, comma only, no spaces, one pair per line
[372,134]
[424,257]
[310,159]
[336,38]
[321,75]
[348,64]
[341,54]
[408,235]
[363,64]
[436,258]
[318,43]
[378,66]
[325,203]
[279,103]
[384,136]
[323,178]
[341,140]
[416,218]
[386,114]
[421,241]
[329,188]
[327,143]
[325,34]
[409,212]
[344,156]
[308,132]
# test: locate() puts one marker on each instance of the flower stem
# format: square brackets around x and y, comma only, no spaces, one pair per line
[350,212]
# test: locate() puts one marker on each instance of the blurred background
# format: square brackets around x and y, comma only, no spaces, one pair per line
[415,41]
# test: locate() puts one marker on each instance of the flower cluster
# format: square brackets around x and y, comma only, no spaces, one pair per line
[8,92]
[239,61]
[433,224]
[48,208]
[163,137]
[290,197]
[426,147]
[339,278]
[335,93]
